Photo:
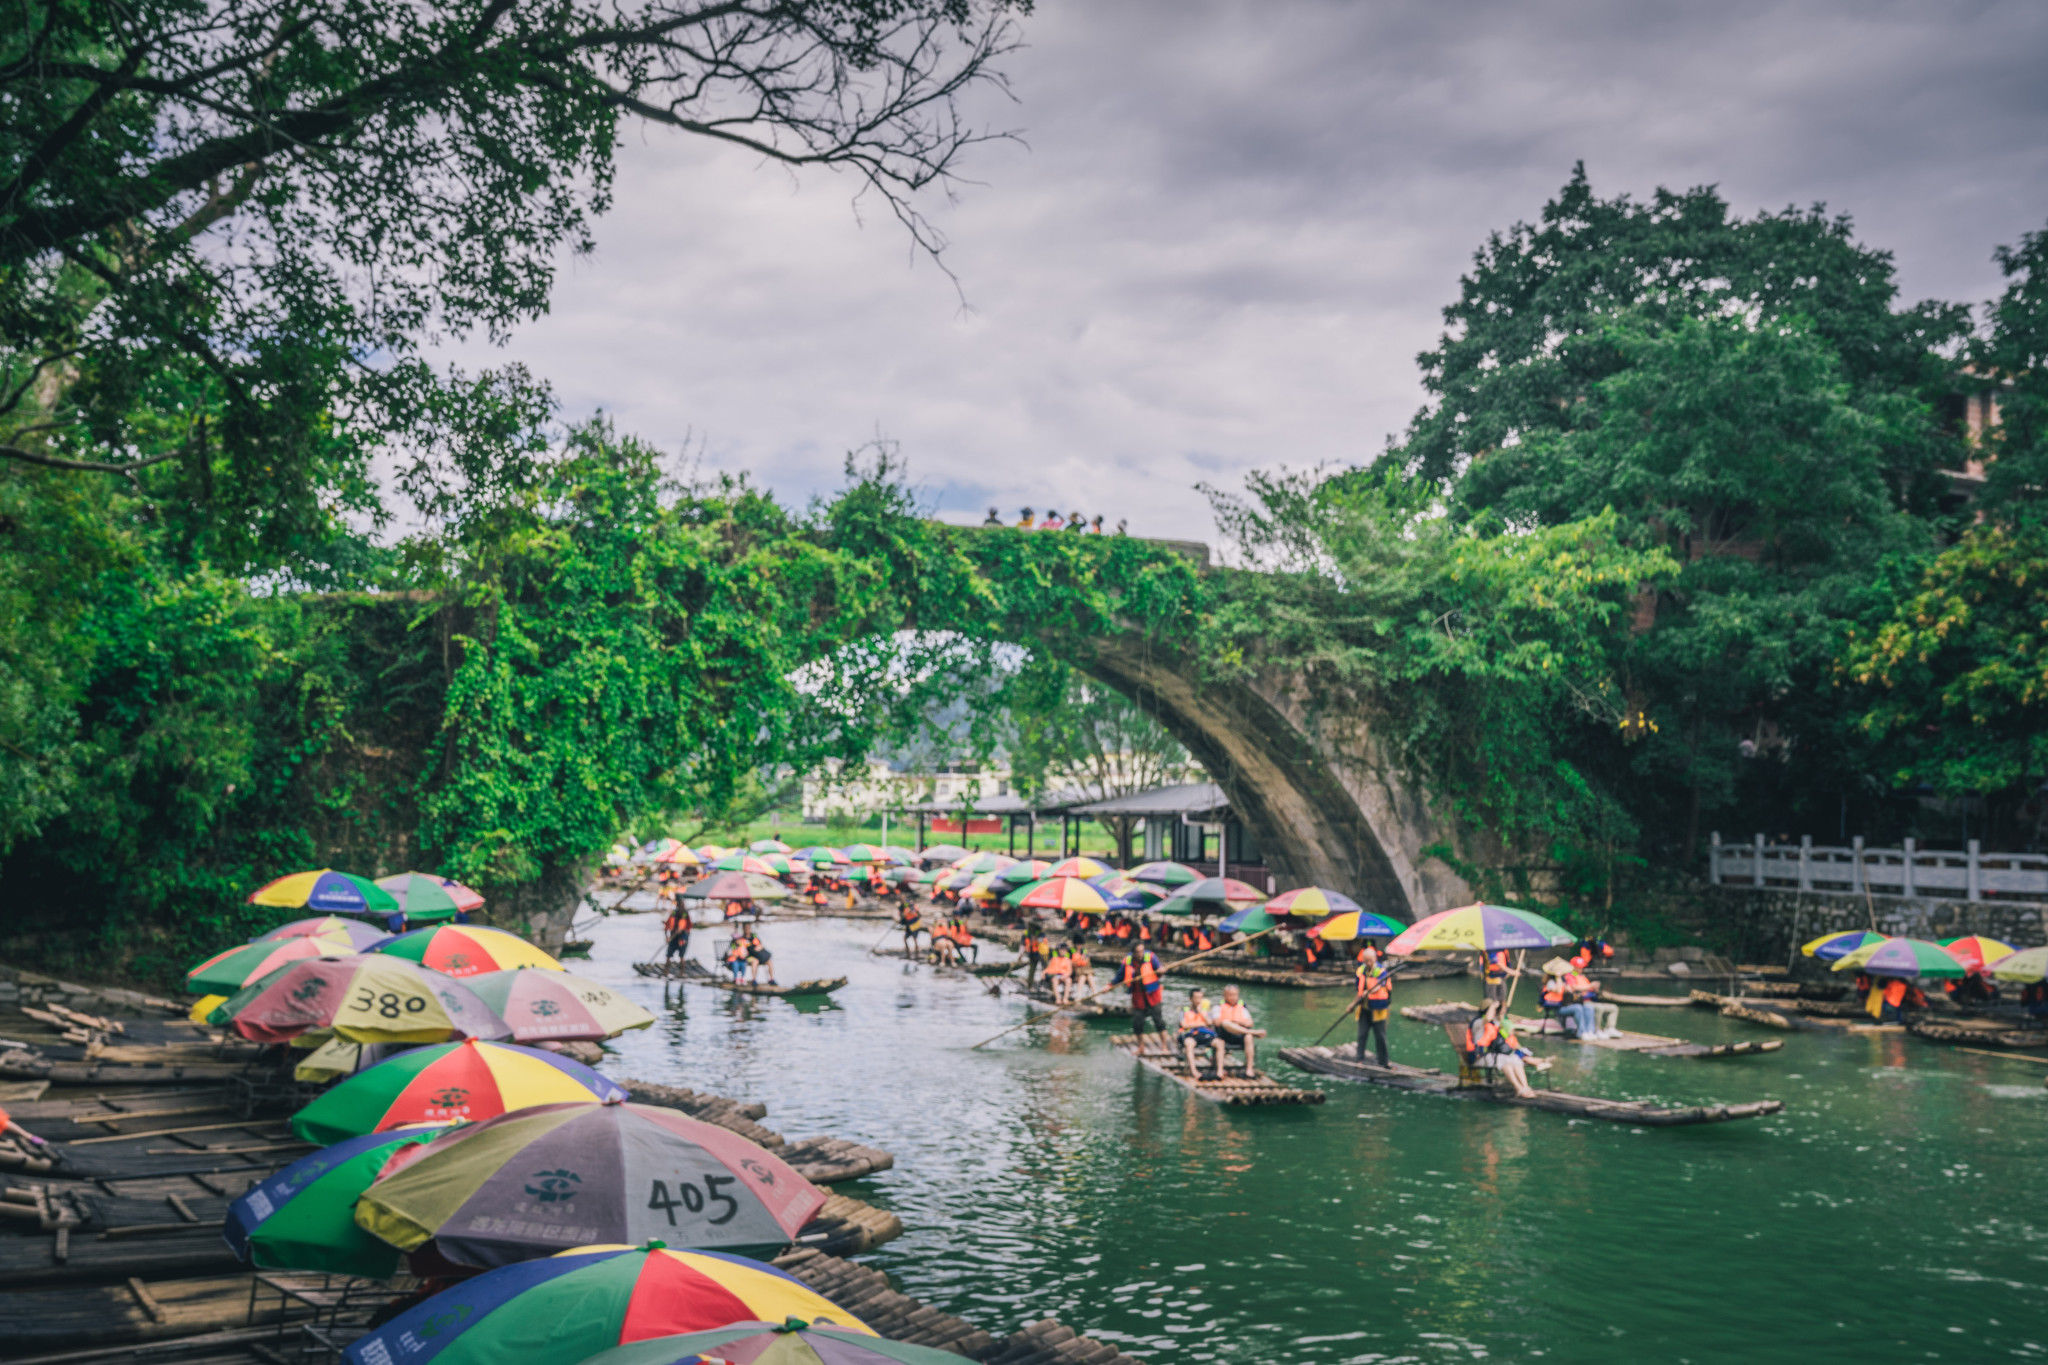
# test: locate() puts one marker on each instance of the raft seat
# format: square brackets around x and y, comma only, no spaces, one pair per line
[1468,1074]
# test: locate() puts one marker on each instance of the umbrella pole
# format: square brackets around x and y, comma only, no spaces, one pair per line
[1514,984]
[1165,969]
[1352,1009]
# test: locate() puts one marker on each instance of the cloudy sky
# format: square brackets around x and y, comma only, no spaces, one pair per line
[1230,227]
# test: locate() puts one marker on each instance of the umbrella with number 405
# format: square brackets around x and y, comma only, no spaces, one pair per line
[544,1179]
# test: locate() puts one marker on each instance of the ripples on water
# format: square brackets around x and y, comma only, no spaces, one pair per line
[1892,1212]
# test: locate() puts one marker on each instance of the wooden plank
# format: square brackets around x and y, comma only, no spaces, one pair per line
[1327,1061]
[1228,1090]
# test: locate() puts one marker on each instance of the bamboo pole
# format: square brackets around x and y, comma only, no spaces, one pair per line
[1353,1008]
[1165,969]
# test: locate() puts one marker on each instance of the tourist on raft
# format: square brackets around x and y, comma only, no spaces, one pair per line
[677,929]
[1059,974]
[1494,972]
[734,959]
[1141,975]
[1033,952]
[758,957]
[1197,1030]
[1375,1003]
[1235,1032]
[1490,1045]
[912,923]
[1558,1000]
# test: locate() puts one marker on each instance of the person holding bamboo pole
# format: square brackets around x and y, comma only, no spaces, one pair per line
[1375,1004]
[1142,975]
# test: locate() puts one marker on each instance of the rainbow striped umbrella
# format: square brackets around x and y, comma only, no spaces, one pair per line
[1310,902]
[1350,924]
[978,863]
[366,998]
[765,1343]
[899,854]
[682,855]
[227,972]
[770,846]
[562,1310]
[747,862]
[709,851]
[540,1005]
[303,1217]
[1210,896]
[466,950]
[1479,929]
[427,899]
[448,1083]
[864,853]
[597,1172]
[1977,952]
[1017,874]
[1082,867]
[357,934]
[942,853]
[1911,958]
[325,890]
[820,854]
[2028,964]
[1253,919]
[735,886]
[1833,947]
[654,850]
[1067,893]
[1125,894]
[1166,874]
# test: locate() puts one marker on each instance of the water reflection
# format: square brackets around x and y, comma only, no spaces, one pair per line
[1047,1176]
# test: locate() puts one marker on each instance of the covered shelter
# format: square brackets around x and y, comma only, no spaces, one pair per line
[1189,822]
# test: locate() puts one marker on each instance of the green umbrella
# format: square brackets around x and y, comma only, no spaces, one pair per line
[1911,958]
[2028,964]
[1016,897]
[427,899]
[303,1217]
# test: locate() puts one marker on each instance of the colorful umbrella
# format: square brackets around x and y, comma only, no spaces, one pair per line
[2028,964]
[1479,929]
[466,950]
[448,1083]
[819,853]
[1310,902]
[225,973]
[562,1310]
[790,1342]
[902,876]
[1066,894]
[1912,958]
[540,1005]
[1976,952]
[747,862]
[553,1177]
[357,934]
[1210,896]
[427,899]
[735,886]
[325,890]
[657,849]
[863,853]
[1079,866]
[1166,874]
[1253,919]
[303,1217]
[709,851]
[942,853]
[367,998]
[1017,874]
[1350,924]
[896,853]
[978,863]
[770,846]
[1832,947]
[983,887]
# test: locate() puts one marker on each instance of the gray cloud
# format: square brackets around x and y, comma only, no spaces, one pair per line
[1234,224]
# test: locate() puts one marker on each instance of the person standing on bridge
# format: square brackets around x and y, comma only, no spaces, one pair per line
[994,518]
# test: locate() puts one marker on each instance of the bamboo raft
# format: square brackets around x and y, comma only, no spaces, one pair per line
[1226,1089]
[1329,1061]
[691,971]
[1977,1033]
[1646,1044]
[1759,1012]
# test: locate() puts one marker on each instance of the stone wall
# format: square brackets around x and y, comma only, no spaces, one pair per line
[1768,925]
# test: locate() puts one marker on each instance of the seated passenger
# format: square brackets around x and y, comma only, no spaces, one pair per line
[1197,1031]
[1234,1032]
[1491,1046]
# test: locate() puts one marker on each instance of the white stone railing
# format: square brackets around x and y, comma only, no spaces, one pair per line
[1960,874]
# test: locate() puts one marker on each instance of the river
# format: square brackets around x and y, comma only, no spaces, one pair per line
[1893,1211]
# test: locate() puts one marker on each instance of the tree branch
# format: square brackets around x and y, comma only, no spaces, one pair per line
[93,466]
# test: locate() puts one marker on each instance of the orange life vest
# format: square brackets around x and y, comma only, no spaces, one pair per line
[1138,967]
[1480,1035]
[1193,1018]
[1496,967]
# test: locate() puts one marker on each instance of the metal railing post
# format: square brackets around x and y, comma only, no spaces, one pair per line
[1976,875]
[1756,867]
[1714,858]
[1806,862]
[1906,873]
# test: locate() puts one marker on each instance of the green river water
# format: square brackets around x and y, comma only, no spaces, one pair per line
[1893,1212]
